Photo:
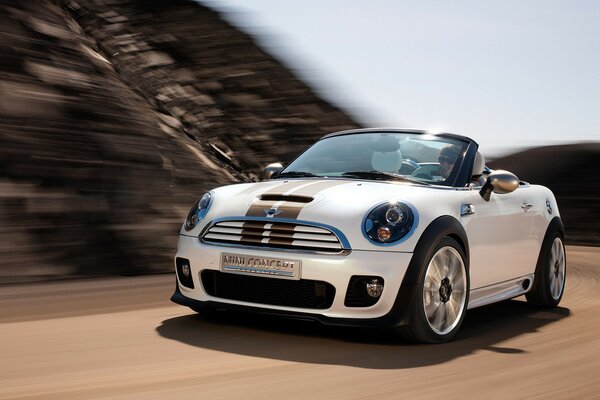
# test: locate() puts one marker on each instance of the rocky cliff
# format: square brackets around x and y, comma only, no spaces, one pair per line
[116,115]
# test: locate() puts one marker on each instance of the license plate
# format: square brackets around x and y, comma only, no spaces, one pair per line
[264,266]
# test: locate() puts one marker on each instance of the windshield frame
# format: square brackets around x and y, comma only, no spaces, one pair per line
[460,177]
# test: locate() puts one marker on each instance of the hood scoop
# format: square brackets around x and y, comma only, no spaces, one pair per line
[282,197]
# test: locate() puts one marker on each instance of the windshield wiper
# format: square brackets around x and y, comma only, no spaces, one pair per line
[294,174]
[378,175]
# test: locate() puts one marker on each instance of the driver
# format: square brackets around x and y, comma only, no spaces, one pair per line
[447,158]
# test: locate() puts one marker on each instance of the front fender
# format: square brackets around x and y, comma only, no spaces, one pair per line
[438,229]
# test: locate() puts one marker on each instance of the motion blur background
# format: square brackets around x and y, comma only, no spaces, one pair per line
[116,115]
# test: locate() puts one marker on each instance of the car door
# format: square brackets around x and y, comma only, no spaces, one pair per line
[501,247]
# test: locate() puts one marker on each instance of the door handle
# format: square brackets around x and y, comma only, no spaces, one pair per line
[526,206]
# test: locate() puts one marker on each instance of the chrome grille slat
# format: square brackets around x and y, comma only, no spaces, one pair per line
[232,231]
[294,242]
[233,224]
[309,229]
[277,234]
[287,231]
[215,236]
[307,243]
[315,238]
[273,234]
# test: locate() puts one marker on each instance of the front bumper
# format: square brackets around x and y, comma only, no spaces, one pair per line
[334,269]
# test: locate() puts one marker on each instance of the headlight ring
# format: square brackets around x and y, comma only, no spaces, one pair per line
[198,211]
[390,223]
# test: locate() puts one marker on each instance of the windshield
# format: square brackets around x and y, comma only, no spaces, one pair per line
[381,155]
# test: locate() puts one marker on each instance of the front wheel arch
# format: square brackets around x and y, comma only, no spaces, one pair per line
[436,231]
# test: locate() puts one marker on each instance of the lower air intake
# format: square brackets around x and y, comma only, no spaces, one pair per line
[302,293]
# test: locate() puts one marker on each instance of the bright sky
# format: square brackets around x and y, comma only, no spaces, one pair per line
[506,73]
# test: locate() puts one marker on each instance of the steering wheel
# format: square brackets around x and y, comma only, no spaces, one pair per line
[408,167]
[425,171]
[422,175]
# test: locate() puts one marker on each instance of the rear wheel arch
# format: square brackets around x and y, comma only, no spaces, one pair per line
[554,226]
[536,294]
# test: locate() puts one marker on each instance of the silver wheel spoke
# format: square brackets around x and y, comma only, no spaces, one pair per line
[446,265]
[437,270]
[561,278]
[450,312]
[454,302]
[429,293]
[561,257]
[433,280]
[445,320]
[554,287]
[430,309]
[559,284]
[438,317]
[557,269]
[452,268]
[458,287]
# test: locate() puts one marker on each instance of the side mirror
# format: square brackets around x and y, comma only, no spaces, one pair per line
[500,182]
[272,169]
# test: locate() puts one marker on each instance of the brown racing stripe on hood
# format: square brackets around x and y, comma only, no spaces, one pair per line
[289,209]
[285,209]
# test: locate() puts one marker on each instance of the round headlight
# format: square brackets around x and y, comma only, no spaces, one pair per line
[198,211]
[389,222]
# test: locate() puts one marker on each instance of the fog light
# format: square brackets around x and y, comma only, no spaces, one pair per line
[185,270]
[374,288]
[384,233]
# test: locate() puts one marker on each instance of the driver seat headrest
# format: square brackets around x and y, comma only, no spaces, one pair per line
[478,165]
[387,162]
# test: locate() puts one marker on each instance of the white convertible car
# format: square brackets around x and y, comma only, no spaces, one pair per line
[374,227]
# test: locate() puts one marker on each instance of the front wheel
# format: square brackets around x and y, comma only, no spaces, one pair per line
[438,305]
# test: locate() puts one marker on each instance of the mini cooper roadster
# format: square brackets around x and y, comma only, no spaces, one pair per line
[374,227]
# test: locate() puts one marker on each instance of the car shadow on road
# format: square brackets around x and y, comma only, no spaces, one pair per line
[300,341]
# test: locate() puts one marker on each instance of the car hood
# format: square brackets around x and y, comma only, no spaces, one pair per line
[339,203]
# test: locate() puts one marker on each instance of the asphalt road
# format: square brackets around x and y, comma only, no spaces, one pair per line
[123,339]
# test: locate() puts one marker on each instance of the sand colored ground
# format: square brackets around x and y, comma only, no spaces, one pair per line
[123,339]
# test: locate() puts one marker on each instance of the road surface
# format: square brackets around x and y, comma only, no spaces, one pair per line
[122,339]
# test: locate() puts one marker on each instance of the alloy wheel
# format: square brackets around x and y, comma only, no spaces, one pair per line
[444,290]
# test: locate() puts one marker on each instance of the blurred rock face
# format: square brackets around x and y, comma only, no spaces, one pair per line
[571,172]
[115,116]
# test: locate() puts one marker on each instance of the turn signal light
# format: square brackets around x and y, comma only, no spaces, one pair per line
[384,233]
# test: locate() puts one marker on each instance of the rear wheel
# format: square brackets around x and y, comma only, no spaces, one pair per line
[438,305]
[549,282]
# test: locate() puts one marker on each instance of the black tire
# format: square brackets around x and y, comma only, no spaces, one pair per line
[419,328]
[541,294]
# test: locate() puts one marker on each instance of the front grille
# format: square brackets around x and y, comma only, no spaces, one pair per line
[274,234]
[302,293]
